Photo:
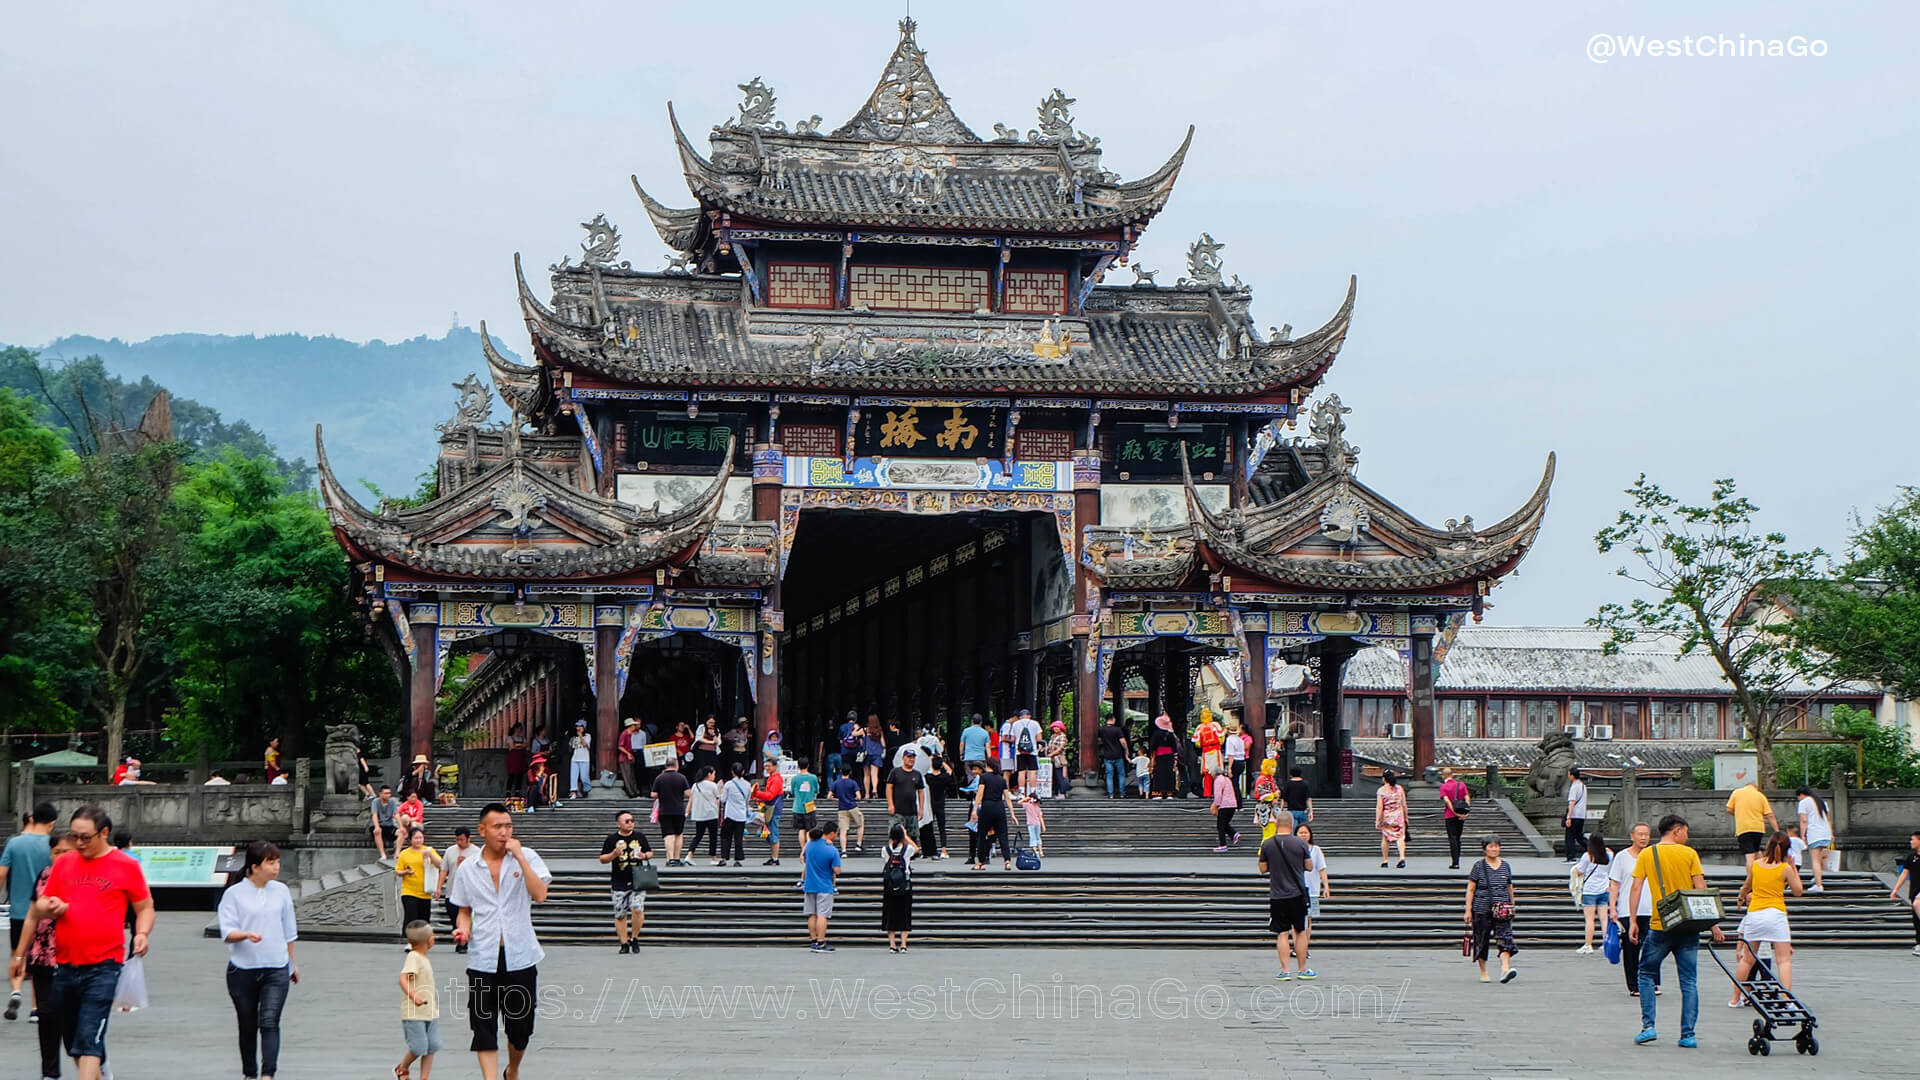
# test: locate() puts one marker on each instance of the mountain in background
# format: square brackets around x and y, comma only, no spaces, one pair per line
[378,401]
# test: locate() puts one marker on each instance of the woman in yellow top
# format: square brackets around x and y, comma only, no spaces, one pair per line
[1765,895]
[416,900]
[272,758]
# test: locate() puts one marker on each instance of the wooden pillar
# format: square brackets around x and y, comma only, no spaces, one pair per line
[769,474]
[423,685]
[1086,701]
[606,690]
[1253,691]
[1421,684]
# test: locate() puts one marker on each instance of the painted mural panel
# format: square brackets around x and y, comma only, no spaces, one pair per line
[1154,504]
[673,492]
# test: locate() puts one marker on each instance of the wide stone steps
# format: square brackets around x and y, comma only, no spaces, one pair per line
[955,907]
[1082,825]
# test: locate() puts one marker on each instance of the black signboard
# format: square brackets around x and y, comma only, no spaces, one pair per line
[1153,450]
[669,438]
[930,431]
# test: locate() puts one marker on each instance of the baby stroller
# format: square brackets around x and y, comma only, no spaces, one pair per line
[1777,1006]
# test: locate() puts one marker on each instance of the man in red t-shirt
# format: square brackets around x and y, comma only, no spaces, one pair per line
[89,892]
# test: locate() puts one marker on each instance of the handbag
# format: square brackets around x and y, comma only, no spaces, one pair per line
[1466,943]
[1025,859]
[646,876]
[1685,911]
[1612,944]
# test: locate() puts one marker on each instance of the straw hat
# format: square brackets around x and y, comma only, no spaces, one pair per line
[421,759]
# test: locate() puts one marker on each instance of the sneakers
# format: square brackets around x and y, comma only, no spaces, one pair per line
[1220,850]
[737,862]
[1916,950]
[625,948]
[1584,950]
[1284,976]
[1309,973]
[1646,1036]
[1818,889]
[1688,1042]
[769,862]
[822,947]
[1236,838]
[1509,975]
[13,1006]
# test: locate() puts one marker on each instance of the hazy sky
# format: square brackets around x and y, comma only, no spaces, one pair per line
[1691,266]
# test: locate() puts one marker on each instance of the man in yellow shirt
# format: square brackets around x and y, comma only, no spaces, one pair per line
[1678,868]
[1753,819]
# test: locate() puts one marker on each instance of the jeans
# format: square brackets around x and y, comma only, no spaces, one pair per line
[1686,957]
[1299,818]
[579,776]
[1116,777]
[83,994]
[1630,953]
[258,996]
[832,772]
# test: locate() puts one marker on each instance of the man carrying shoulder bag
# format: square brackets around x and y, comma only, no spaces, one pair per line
[1679,914]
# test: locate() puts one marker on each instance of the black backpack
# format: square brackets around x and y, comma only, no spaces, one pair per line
[893,874]
[1026,739]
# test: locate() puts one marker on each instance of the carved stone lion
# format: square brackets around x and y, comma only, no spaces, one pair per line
[1547,780]
[343,759]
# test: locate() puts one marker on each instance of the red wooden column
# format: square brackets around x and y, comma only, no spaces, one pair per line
[1420,682]
[1253,684]
[769,476]
[607,624]
[1086,661]
[423,685]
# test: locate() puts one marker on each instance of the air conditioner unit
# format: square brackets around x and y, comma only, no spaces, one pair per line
[1578,731]
[1403,731]
[1603,731]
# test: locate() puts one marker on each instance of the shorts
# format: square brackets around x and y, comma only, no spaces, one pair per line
[802,823]
[388,832]
[1028,763]
[423,1036]
[628,901]
[83,995]
[1313,907]
[502,998]
[673,824]
[1286,914]
[1818,844]
[851,820]
[1766,924]
[1750,842]
[817,903]
[1595,899]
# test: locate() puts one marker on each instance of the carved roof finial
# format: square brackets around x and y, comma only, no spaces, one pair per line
[472,407]
[1329,425]
[1204,264]
[907,105]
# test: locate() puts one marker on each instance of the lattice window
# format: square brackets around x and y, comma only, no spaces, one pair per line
[802,285]
[1042,445]
[810,440]
[917,288]
[1035,292]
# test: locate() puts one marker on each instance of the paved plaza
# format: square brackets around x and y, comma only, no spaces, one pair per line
[1000,1013]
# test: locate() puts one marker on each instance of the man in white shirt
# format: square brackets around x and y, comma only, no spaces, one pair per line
[1620,887]
[462,849]
[1026,748]
[1576,815]
[493,897]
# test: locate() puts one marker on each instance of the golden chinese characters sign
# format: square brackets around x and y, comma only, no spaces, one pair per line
[930,429]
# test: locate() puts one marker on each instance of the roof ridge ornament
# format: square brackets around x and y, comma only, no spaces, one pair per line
[1204,265]
[906,104]
[1056,124]
[1328,424]
[601,247]
[472,408]
[756,112]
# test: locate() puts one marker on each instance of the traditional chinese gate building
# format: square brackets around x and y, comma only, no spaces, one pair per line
[880,439]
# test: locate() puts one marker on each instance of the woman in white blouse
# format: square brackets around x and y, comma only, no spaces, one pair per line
[256,922]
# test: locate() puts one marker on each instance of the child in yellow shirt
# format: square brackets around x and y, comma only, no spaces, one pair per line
[419,1003]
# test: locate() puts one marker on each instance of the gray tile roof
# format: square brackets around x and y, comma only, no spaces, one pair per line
[681,331]
[1559,659]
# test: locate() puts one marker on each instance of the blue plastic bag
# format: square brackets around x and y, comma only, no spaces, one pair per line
[1612,945]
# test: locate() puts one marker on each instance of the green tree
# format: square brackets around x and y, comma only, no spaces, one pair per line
[1866,618]
[42,634]
[265,639]
[1702,565]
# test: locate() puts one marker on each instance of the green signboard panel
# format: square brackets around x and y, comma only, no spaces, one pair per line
[1153,450]
[181,865]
